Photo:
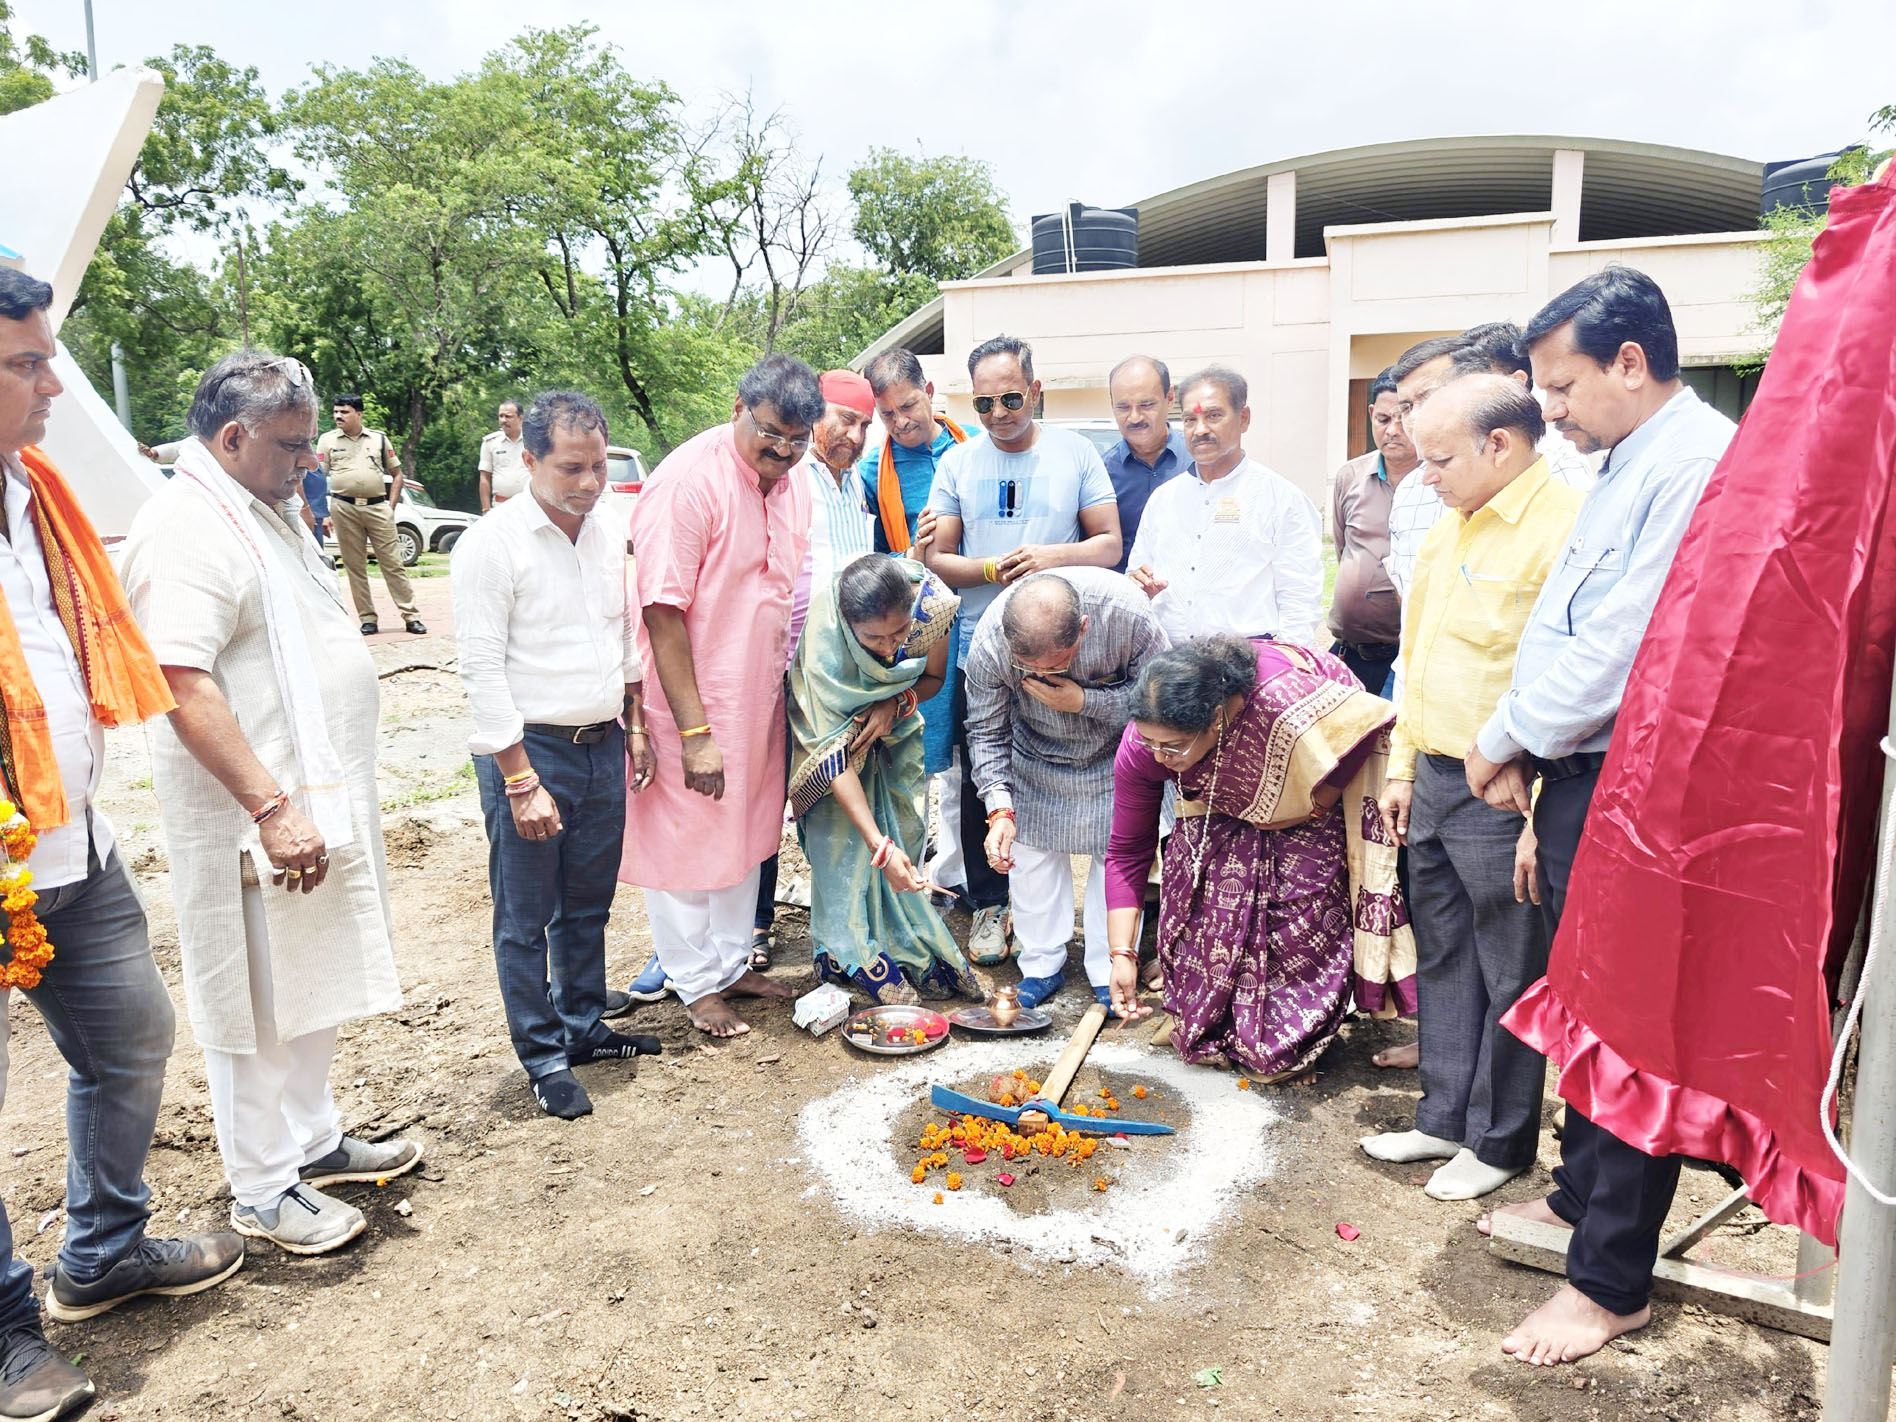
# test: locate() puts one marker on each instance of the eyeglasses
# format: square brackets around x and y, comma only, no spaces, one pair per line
[1174,751]
[1011,400]
[776,438]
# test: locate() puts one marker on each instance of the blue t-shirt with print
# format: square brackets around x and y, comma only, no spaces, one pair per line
[1005,501]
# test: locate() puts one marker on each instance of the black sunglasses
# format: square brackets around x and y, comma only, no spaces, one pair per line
[1012,400]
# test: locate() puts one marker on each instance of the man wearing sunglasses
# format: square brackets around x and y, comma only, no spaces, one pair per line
[721,532]
[1023,499]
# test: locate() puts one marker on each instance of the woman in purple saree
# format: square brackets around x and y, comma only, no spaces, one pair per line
[1278,893]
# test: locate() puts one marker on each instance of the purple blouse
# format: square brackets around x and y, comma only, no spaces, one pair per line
[1139,790]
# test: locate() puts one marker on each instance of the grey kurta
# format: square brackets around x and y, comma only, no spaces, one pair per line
[1054,769]
[198,595]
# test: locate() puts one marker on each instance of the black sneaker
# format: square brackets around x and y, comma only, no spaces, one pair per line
[618,1047]
[173,1267]
[36,1383]
[618,1004]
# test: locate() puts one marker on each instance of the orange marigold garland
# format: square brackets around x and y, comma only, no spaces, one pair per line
[24,935]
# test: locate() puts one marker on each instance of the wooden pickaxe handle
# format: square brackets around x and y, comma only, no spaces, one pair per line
[1054,1085]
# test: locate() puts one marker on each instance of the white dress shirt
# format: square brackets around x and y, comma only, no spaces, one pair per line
[78,738]
[1241,554]
[543,623]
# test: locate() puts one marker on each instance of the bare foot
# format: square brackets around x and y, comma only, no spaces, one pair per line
[1566,1328]
[1536,1209]
[1152,977]
[754,984]
[714,1015]
[1398,1058]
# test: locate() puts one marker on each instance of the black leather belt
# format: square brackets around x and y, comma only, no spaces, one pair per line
[1372,651]
[371,499]
[1568,766]
[577,735]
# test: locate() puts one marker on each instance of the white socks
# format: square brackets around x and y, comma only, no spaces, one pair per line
[1404,1146]
[1466,1178]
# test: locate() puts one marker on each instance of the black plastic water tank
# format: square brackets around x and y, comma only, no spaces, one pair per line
[1803,183]
[1086,239]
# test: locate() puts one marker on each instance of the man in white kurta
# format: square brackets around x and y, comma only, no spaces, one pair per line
[1229,546]
[266,778]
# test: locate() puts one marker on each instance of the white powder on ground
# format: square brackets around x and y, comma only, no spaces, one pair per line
[1165,1184]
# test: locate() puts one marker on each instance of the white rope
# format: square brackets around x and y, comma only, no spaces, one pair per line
[1066,236]
[1879,913]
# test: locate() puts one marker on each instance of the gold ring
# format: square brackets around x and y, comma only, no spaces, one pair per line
[293,873]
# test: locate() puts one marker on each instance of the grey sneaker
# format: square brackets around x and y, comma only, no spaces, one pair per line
[303,1221]
[357,1159]
[987,939]
[172,1267]
[37,1384]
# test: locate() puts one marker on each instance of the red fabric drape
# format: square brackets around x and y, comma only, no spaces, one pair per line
[1731,837]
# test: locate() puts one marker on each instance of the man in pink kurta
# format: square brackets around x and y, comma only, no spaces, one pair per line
[719,538]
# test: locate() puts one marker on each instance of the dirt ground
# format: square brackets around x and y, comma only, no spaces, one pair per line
[667,1256]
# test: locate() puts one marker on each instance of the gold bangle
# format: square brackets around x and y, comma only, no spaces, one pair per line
[990,570]
[635,730]
[704,730]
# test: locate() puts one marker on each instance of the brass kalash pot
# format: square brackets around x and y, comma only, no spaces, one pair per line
[1004,1006]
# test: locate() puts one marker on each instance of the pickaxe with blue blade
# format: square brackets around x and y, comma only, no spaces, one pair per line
[1035,1114]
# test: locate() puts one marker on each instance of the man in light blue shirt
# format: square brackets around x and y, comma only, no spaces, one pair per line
[1020,499]
[1606,354]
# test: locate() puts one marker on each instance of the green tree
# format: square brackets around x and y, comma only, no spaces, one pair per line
[941,218]
[418,240]
[27,66]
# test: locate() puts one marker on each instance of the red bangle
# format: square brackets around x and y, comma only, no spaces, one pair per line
[270,807]
[881,856]
[994,815]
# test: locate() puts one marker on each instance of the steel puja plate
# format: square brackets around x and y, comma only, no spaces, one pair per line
[895,1030]
[979,1019]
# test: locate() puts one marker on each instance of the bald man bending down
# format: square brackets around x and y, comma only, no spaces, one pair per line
[1050,676]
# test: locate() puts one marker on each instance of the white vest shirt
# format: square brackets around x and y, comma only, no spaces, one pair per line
[78,738]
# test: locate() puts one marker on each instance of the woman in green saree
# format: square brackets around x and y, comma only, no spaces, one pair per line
[874,647]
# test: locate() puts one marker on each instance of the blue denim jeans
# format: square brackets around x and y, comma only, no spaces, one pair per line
[552,897]
[107,1011]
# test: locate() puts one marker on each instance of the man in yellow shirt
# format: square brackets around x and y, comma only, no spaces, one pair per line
[365,485]
[1479,941]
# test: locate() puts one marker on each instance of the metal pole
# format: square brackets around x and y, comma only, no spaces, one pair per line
[1863,1336]
[121,388]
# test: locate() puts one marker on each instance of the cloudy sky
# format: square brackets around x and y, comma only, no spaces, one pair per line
[1107,101]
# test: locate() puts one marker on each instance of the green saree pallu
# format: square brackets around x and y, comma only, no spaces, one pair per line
[889,945]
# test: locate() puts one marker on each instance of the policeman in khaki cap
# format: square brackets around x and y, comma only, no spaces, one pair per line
[365,484]
[503,470]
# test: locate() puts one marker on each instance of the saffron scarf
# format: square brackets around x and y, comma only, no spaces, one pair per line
[889,490]
[124,682]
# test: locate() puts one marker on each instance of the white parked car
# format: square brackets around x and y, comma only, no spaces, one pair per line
[625,476]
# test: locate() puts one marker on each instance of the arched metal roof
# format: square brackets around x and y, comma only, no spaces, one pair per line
[1627,190]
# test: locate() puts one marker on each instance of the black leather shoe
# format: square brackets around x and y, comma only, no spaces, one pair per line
[418,627]
[37,1384]
[368,629]
[173,1267]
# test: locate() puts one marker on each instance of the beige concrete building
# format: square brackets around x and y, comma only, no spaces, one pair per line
[1312,274]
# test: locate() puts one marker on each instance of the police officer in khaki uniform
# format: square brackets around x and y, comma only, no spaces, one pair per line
[365,484]
[502,468]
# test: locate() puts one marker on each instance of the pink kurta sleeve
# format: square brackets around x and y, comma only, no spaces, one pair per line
[1138,792]
[673,527]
